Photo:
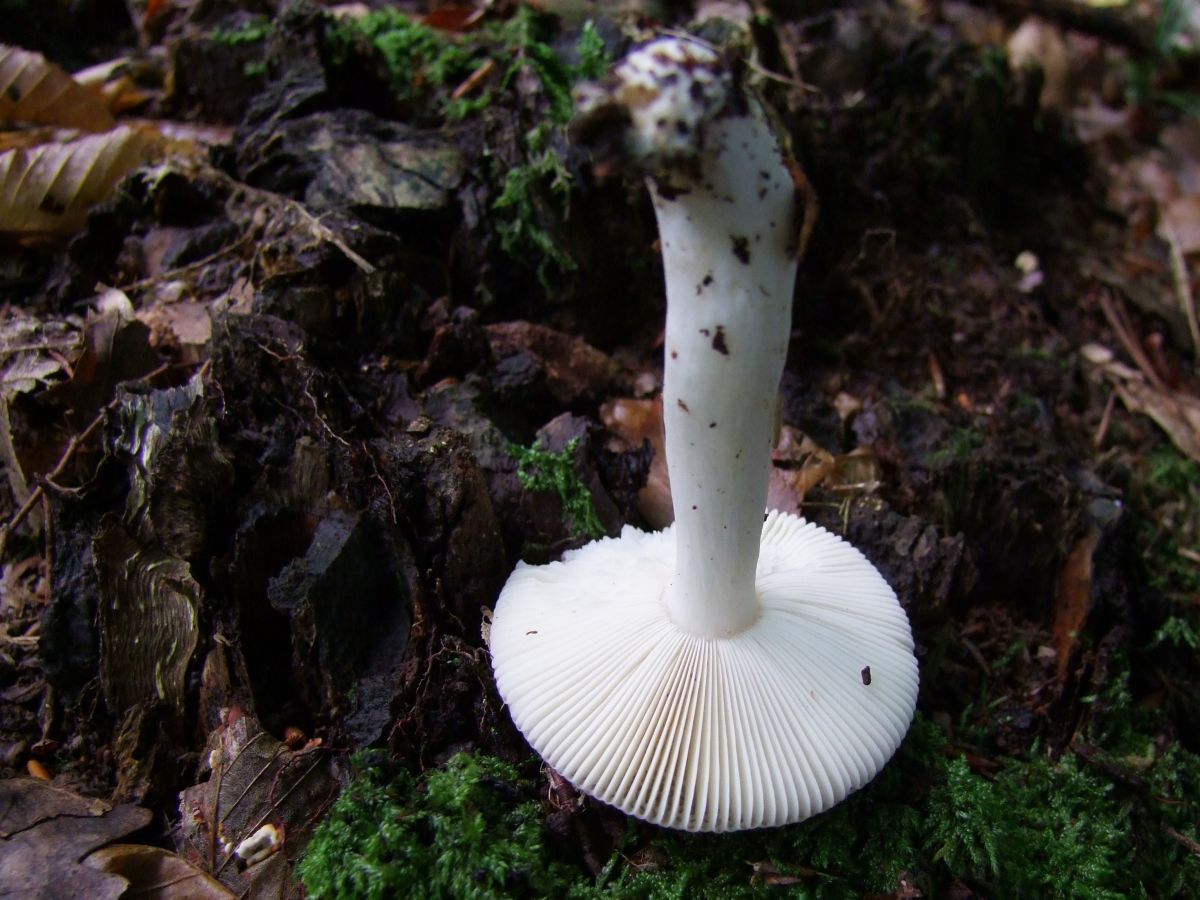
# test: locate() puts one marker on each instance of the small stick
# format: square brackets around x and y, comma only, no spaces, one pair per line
[1183,289]
[190,267]
[1182,839]
[1105,421]
[475,79]
[1119,321]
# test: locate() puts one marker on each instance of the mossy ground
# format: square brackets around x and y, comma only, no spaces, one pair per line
[426,70]
[1034,827]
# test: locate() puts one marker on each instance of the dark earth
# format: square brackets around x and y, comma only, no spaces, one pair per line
[256,515]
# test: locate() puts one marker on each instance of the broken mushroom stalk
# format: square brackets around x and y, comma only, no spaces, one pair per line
[728,672]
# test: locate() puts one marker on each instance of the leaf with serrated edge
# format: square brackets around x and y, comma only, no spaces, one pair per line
[34,90]
[50,188]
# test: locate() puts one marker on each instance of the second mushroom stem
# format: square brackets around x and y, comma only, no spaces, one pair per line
[727,233]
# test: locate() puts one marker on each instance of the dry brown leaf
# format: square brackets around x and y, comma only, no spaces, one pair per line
[51,187]
[184,328]
[256,786]
[1073,599]
[798,466]
[633,422]
[114,83]
[157,874]
[45,830]
[572,368]
[35,90]
[1177,413]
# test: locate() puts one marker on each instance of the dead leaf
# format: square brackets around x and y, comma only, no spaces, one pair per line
[27,372]
[44,833]
[572,368]
[798,466]
[634,422]
[35,90]
[31,357]
[1073,598]
[32,352]
[454,18]
[184,328]
[113,82]
[49,188]
[1177,413]
[157,874]
[114,349]
[22,586]
[255,781]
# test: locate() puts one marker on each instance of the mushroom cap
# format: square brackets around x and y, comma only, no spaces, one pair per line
[761,728]
[663,94]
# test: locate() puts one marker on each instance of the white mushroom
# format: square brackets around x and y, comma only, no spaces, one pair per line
[725,673]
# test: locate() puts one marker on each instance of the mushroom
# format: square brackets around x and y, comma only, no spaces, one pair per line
[727,672]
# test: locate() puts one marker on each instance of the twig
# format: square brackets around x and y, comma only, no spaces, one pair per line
[325,233]
[1120,323]
[1183,289]
[64,460]
[382,481]
[48,550]
[475,79]
[320,230]
[317,411]
[1182,839]
[1105,421]
[183,270]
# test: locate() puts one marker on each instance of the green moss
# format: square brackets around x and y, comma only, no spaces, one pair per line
[452,833]
[521,201]
[426,65]
[1033,828]
[1165,498]
[1037,829]
[1170,48]
[251,32]
[961,443]
[531,192]
[541,470]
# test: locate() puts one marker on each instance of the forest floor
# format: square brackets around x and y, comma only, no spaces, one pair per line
[351,327]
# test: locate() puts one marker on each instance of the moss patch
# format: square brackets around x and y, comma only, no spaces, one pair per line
[541,470]
[455,832]
[1037,827]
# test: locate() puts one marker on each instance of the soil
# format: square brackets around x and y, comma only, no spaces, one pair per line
[302,496]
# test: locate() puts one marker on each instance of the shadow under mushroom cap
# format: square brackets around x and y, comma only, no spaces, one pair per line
[766,727]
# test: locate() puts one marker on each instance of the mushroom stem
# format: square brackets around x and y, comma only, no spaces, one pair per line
[730,270]
[728,672]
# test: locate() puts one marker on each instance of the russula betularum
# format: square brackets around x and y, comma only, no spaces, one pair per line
[711,676]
